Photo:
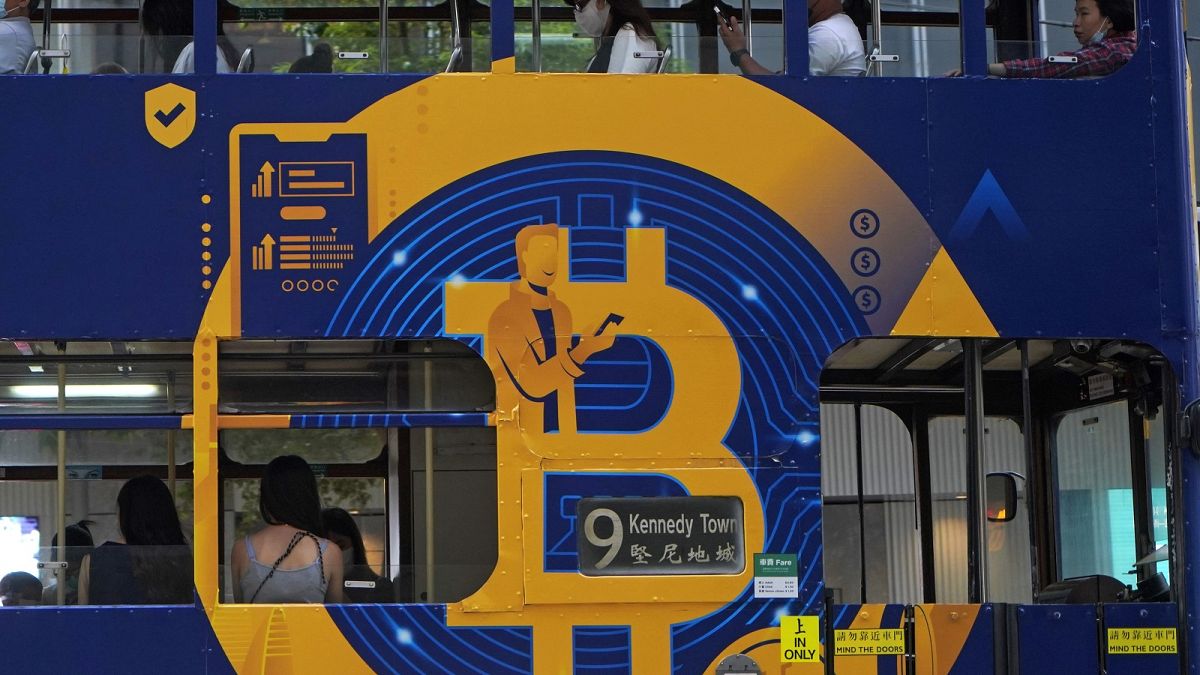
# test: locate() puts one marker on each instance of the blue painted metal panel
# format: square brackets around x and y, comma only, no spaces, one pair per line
[603,650]
[127,639]
[415,639]
[402,420]
[1057,639]
[53,421]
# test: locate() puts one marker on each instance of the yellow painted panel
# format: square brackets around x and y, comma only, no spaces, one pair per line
[944,304]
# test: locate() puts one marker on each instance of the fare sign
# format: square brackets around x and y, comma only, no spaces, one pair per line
[622,536]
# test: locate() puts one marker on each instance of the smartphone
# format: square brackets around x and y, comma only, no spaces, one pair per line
[721,17]
[611,318]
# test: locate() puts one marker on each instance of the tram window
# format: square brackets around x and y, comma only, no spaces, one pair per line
[1156,470]
[99,463]
[307,47]
[1007,542]
[101,377]
[362,497]
[318,446]
[893,551]
[1094,493]
[352,376]
[924,51]
[424,545]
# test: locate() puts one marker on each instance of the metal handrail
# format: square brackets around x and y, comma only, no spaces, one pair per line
[456,29]
[747,21]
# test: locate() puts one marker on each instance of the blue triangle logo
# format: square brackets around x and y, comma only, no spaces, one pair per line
[989,197]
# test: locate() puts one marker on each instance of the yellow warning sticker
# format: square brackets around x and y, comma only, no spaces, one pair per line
[1141,641]
[868,642]
[799,639]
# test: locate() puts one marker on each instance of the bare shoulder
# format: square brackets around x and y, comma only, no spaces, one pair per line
[239,550]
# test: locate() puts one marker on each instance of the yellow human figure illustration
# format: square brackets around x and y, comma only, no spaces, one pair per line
[532,333]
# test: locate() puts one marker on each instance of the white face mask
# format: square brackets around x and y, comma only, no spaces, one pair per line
[1099,35]
[591,20]
[4,10]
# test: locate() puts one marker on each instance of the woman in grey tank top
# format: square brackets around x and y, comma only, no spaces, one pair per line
[286,561]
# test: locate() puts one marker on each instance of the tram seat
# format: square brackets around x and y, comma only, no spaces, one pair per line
[246,63]
[1083,590]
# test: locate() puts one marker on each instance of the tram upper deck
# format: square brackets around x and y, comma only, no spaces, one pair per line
[357,255]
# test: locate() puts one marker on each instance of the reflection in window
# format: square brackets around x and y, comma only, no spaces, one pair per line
[1095,493]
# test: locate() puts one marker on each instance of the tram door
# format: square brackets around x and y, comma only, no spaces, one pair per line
[1067,443]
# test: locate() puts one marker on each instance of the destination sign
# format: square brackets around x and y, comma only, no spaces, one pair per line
[621,536]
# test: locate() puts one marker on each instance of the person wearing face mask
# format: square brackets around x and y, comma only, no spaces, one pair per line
[834,45]
[624,29]
[16,35]
[1107,34]
[365,586]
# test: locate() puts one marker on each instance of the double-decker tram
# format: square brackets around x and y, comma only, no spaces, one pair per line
[353,337]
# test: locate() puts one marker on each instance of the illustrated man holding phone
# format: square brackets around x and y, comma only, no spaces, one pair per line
[834,45]
[533,353]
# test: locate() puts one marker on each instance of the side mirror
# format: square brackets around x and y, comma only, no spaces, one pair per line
[1001,497]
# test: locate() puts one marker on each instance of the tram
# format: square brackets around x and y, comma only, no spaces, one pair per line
[685,372]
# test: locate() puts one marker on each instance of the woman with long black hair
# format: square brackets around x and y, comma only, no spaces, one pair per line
[624,29]
[152,565]
[169,24]
[304,567]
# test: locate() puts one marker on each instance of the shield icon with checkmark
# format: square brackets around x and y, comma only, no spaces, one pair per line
[170,114]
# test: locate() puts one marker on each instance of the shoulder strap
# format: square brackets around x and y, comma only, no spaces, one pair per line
[288,551]
[250,549]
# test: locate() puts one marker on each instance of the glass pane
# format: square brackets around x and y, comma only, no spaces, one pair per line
[319,446]
[92,48]
[121,574]
[101,378]
[889,523]
[1095,493]
[1156,468]
[328,47]
[362,498]
[948,495]
[1009,567]
[94,447]
[349,377]
[924,51]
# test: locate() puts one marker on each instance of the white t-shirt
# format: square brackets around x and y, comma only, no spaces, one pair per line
[836,48]
[625,44]
[186,63]
[16,44]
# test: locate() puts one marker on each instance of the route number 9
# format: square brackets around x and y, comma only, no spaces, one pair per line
[613,541]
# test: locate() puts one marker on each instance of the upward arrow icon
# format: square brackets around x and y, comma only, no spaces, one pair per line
[988,196]
[268,244]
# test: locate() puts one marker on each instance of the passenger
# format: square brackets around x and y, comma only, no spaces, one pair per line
[153,565]
[170,22]
[20,589]
[110,68]
[1107,33]
[79,544]
[623,27]
[834,45]
[16,35]
[320,61]
[341,530]
[306,567]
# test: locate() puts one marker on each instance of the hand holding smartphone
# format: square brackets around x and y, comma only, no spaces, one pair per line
[721,18]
